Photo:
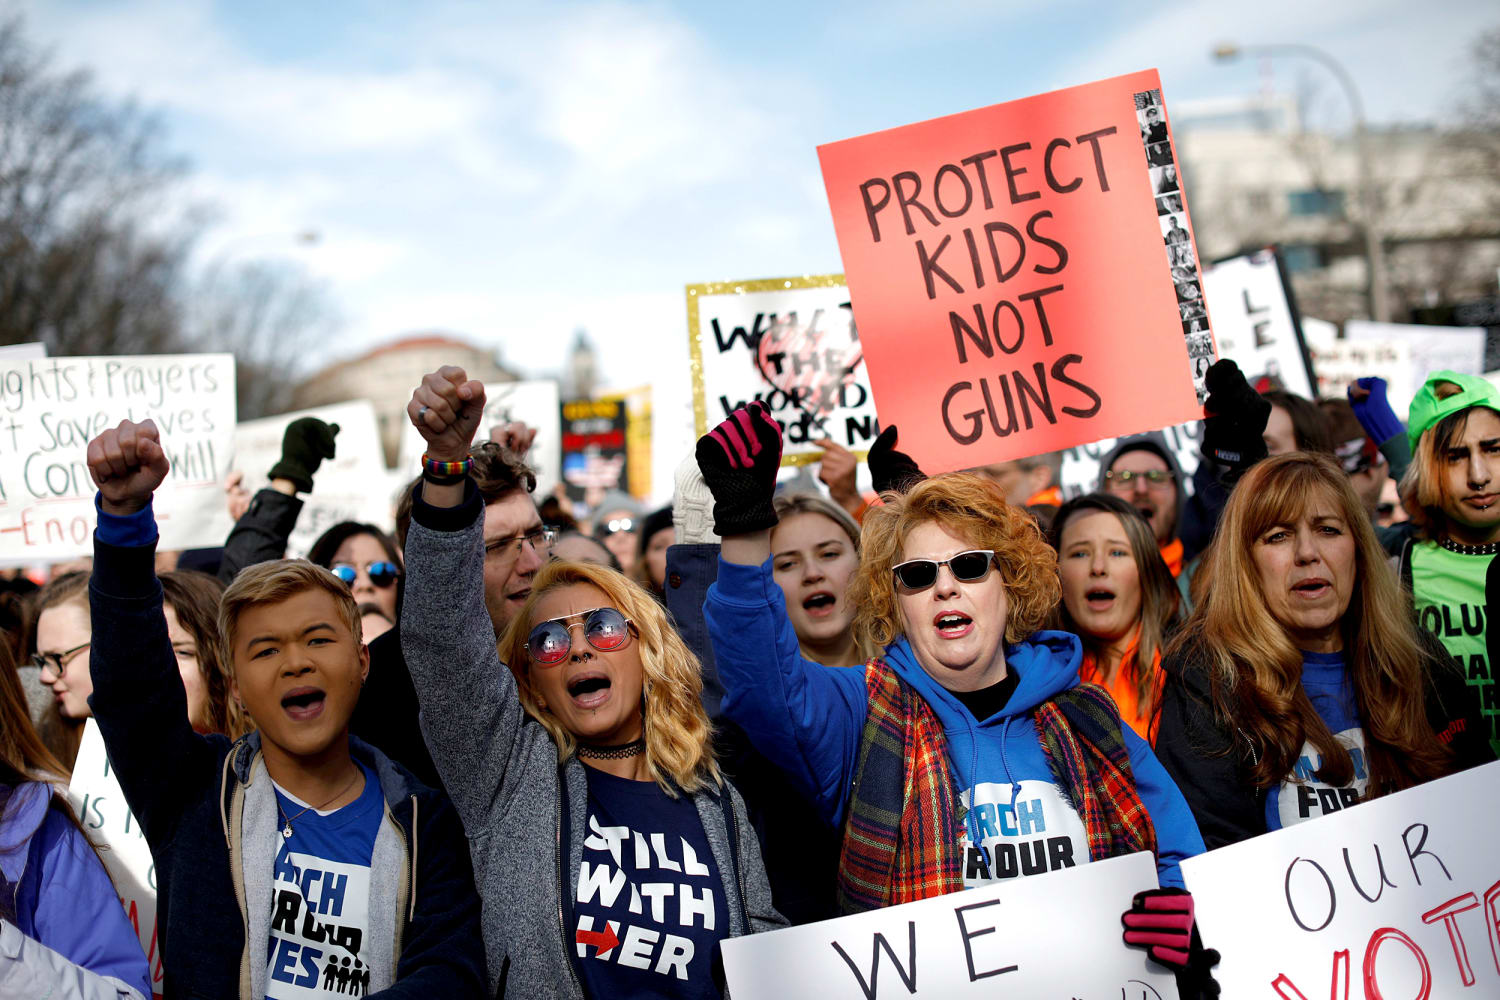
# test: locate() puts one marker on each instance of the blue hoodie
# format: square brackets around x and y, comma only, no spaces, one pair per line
[808,719]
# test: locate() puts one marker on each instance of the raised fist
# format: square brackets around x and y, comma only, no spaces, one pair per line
[304,445]
[515,437]
[447,408]
[128,464]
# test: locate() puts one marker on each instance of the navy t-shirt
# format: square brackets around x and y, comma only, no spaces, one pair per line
[1301,796]
[650,910]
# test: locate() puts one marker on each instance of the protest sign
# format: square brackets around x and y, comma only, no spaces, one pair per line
[534,402]
[1081,465]
[997,940]
[1340,362]
[1024,275]
[1256,321]
[104,816]
[791,343]
[347,487]
[23,352]
[1395,897]
[1433,348]
[49,411]
[594,447]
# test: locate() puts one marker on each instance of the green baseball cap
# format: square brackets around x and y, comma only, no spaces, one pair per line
[1427,409]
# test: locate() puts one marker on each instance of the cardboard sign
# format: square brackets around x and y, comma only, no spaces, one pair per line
[1053,935]
[1024,275]
[1396,897]
[1255,323]
[534,402]
[1433,348]
[346,487]
[595,448]
[50,410]
[790,343]
[105,817]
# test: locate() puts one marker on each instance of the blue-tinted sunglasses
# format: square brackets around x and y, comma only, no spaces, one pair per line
[382,574]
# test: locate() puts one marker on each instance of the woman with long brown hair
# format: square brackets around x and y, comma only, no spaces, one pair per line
[63,932]
[1300,685]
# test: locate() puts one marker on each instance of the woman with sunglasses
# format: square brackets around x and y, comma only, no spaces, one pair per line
[610,855]
[953,586]
[366,559]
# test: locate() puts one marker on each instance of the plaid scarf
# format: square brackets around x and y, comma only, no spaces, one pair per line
[901,834]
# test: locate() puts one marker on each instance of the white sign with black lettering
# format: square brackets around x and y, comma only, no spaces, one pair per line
[1252,320]
[1395,897]
[534,403]
[1055,935]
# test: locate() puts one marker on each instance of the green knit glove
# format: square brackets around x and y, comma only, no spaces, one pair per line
[305,444]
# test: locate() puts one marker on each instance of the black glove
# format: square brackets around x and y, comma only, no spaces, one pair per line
[891,470]
[305,444]
[739,459]
[1234,418]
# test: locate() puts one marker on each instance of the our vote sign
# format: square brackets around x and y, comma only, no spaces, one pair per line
[1023,275]
[1395,897]
[1053,935]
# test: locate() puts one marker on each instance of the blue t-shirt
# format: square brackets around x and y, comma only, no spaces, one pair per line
[650,910]
[1301,796]
[321,895]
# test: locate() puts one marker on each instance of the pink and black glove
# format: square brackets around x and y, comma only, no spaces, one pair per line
[891,470]
[1161,921]
[739,459]
[1234,418]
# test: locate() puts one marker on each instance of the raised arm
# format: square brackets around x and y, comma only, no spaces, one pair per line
[138,698]
[260,534]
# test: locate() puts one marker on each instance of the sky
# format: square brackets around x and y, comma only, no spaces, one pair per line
[512,172]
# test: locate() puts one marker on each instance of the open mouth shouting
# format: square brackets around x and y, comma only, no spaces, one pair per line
[589,689]
[1312,588]
[303,704]
[1148,512]
[952,624]
[819,605]
[1099,598]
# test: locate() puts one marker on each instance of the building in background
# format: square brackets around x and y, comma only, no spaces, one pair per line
[387,375]
[1254,177]
[580,377]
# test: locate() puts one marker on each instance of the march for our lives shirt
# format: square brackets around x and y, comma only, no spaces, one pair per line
[1301,796]
[1024,828]
[322,898]
[650,909]
[1448,591]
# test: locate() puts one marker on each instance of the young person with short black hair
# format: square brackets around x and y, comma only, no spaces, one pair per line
[296,862]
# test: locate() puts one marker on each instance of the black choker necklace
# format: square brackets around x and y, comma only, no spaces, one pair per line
[633,749]
[1488,549]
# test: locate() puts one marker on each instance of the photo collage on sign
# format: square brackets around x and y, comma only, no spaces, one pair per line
[1151,113]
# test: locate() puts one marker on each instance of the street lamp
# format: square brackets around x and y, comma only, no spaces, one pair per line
[1374,248]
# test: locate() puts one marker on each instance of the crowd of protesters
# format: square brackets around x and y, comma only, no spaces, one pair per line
[494,754]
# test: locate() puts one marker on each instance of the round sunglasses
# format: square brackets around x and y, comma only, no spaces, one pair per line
[606,629]
[382,574]
[967,567]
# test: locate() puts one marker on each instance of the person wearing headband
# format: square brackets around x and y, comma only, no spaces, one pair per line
[611,855]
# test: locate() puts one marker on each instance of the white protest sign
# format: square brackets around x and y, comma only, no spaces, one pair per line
[1396,897]
[105,817]
[534,402]
[1252,320]
[49,411]
[1081,466]
[791,343]
[348,487]
[23,352]
[1340,362]
[1433,348]
[1054,935]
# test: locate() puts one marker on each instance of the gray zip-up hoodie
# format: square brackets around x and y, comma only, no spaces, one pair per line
[500,769]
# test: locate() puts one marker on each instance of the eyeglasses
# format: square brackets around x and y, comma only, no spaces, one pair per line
[382,574]
[1124,477]
[616,525]
[58,662]
[967,567]
[540,538]
[606,629]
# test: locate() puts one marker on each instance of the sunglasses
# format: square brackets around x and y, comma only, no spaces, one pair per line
[1124,477]
[616,525]
[382,574]
[966,567]
[606,629]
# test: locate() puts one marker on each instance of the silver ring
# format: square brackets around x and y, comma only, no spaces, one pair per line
[421,412]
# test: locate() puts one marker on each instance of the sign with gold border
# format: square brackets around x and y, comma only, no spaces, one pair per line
[791,343]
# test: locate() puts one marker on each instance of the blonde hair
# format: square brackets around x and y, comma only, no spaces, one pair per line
[973,508]
[679,747]
[789,504]
[1424,489]
[1255,670]
[275,581]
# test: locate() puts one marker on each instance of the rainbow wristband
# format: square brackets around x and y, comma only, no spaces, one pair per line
[445,473]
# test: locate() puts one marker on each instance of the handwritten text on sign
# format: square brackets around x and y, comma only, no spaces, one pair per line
[1008,273]
[790,343]
[49,410]
[1001,940]
[101,809]
[1396,897]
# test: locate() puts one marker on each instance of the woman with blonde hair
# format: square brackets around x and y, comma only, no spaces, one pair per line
[610,855]
[1299,685]
[968,695]
[1119,597]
